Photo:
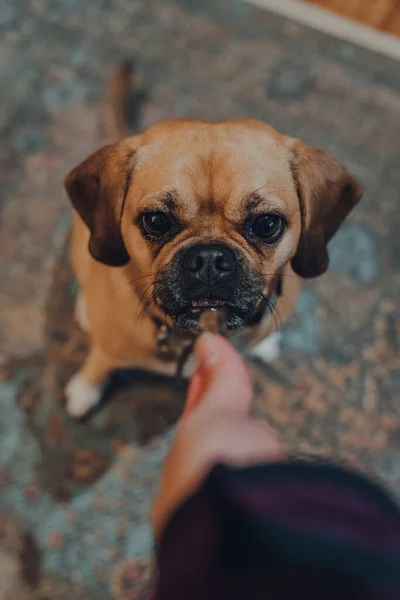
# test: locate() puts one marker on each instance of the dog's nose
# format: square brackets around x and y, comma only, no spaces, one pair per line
[209,263]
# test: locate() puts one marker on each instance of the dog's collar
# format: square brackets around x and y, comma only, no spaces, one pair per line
[168,345]
[162,338]
[172,348]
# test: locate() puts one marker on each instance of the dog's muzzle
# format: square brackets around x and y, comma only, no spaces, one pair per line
[207,275]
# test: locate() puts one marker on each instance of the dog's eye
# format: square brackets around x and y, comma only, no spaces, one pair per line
[268,228]
[156,224]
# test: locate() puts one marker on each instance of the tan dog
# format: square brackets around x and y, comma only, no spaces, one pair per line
[190,215]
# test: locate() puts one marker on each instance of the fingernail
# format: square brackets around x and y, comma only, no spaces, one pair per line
[209,351]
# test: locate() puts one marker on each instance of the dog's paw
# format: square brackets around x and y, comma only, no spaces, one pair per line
[81,397]
[269,349]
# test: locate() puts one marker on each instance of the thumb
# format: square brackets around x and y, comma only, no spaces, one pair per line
[221,381]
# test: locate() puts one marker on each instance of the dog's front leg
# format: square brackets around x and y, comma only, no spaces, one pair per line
[85,388]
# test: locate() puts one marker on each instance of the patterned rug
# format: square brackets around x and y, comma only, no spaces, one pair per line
[75,498]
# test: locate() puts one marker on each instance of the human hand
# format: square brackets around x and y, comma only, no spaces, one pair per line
[215,427]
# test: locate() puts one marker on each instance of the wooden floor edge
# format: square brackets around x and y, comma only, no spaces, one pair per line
[333,24]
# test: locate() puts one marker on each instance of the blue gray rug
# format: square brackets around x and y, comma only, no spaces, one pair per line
[74,498]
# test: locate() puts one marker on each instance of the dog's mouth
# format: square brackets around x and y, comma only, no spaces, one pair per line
[188,317]
[206,304]
[239,297]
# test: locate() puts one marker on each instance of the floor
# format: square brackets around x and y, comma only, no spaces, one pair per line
[75,498]
[381,14]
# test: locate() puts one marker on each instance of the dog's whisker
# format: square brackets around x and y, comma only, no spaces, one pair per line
[273,310]
[142,300]
[146,285]
[145,304]
[132,292]
[275,315]
[150,300]
[282,296]
[133,281]
[143,293]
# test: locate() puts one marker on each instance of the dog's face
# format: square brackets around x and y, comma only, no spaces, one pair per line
[208,214]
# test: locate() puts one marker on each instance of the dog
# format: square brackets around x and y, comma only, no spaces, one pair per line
[192,215]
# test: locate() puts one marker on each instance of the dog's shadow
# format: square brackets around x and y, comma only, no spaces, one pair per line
[136,407]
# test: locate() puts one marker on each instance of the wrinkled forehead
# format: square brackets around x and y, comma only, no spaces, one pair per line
[212,167]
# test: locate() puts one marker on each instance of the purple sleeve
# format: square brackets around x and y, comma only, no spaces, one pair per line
[282,531]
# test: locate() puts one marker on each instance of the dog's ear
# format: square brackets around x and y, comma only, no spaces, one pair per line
[97,189]
[327,192]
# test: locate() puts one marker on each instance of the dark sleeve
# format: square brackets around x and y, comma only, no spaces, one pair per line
[296,531]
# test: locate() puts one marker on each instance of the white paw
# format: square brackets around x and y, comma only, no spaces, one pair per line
[269,349]
[81,316]
[81,396]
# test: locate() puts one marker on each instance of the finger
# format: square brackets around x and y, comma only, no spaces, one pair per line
[195,391]
[225,381]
